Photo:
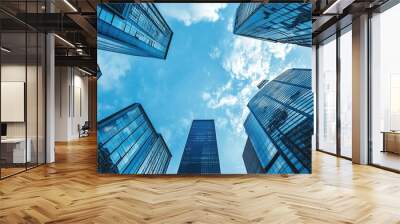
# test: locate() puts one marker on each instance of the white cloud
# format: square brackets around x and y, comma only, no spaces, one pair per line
[279,50]
[221,122]
[230,25]
[248,59]
[242,98]
[215,53]
[218,98]
[114,68]
[248,62]
[187,121]
[205,96]
[191,13]
[227,100]
[237,121]
[224,88]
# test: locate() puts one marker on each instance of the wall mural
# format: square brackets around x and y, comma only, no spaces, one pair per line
[204,88]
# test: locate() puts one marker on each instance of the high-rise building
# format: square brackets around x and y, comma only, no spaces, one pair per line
[200,155]
[280,123]
[262,83]
[135,29]
[99,73]
[129,144]
[251,161]
[277,22]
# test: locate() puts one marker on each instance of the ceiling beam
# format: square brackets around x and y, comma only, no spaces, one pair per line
[82,61]
[49,22]
[84,24]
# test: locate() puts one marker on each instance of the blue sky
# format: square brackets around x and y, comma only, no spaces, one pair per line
[209,73]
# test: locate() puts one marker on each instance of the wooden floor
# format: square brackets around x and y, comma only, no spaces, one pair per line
[387,159]
[70,191]
[5,172]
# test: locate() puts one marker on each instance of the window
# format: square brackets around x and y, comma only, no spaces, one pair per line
[106,16]
[327,95]
[346,93]
[118,23]
[22,66]
[385,89]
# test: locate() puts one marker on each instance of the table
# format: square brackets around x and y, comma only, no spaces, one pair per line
[13,150]
[391,141]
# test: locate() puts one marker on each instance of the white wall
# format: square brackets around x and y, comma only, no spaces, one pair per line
[71,93]
[61,103]
[33,126]
[9,73]
[17,73]
[81,85]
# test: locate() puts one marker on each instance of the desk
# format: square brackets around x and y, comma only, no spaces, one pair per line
[391,141]
[13,150]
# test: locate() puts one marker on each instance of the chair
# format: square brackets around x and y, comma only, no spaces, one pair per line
[84,130]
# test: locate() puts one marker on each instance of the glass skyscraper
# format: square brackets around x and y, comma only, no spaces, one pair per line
[277,22]
[135,29]
[251,161]
[280,124]
[129,144]
[99,73]
[200,155]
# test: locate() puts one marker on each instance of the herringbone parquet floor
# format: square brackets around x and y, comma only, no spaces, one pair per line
[70,191]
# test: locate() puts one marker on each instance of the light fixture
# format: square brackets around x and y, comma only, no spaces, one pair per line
[337,7]
[64,40]
[84,71]
[70,5]
[5,50]
[79,51]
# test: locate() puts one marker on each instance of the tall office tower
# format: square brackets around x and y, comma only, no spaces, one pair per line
[129,144]
[251,161]
[134,29]
[262,83]
[99,73]
[280,123]
[201,151]
[277,22]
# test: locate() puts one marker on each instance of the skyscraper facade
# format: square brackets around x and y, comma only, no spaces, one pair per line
[262,83]
[280,123]
[251,161]
[99,73]
[200,155]
[129,144]
[135,29]
[277,22]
